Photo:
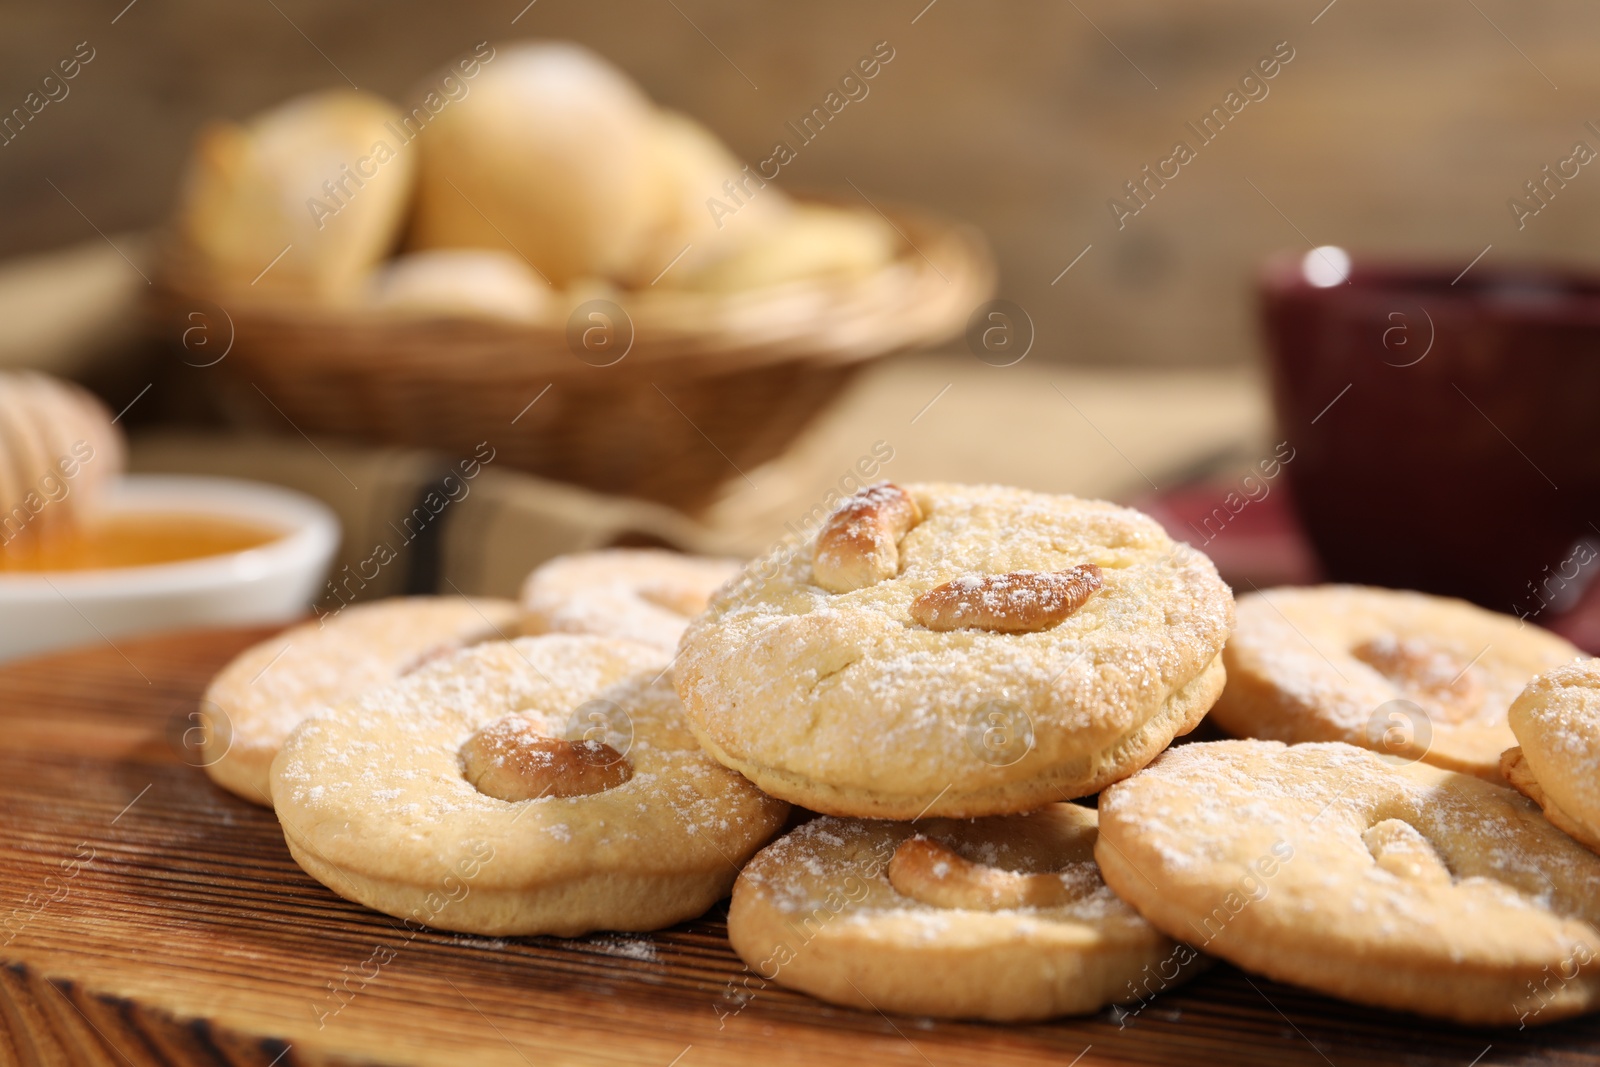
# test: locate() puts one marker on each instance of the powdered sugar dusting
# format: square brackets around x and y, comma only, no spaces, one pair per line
[272,686]
[378,785]
[834,870]
[841,687]
[1278,839]
[1557,723]
[645,595]
[630,948]
[1330,656]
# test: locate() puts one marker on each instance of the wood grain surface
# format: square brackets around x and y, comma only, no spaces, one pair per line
[148,917]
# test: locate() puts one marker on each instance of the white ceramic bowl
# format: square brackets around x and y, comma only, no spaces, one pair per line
[273,583]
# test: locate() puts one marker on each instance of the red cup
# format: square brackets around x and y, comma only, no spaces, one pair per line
[1446,425]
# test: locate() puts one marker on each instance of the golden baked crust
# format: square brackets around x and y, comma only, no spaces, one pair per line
[1556,719]
[639,594]
[550,157]
[817,911]
[1404,887]
[266,690]
[1514,768]
[375,803]
[1296,673]
[839,702]
[1083,776]
[281,185]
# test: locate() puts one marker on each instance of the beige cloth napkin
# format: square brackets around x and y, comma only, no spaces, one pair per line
[479,535]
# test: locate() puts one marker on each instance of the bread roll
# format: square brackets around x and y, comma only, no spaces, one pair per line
[326,176]
[549,157]
[693,171]
[461,282]
[810,241]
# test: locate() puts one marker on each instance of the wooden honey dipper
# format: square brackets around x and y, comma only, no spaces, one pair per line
[58,450]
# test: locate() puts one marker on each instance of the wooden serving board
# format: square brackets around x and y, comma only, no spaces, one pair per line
[148,917]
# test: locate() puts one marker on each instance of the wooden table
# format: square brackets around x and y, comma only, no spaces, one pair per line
[148,917]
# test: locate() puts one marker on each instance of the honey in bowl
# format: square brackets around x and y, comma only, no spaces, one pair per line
[136,539]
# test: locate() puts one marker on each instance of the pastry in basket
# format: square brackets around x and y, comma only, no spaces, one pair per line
[957,650]
[461,283]
[1405,887]
[810,241]
[1004,918]
[698,220]
[258,698]
[548,157]
[58,447]
[642,594]
[1407,674]
[301,201]
[545,785]
[1556,721]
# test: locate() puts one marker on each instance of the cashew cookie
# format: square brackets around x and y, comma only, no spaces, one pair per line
[1003,918]
[544,785]
[953,650]
[1556,719]
[1401,886]
[1406,674]
[266,690]
[640,594]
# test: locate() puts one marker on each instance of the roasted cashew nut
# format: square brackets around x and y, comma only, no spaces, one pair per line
[932,873]
[1018,602]
[859,545]
[511,760]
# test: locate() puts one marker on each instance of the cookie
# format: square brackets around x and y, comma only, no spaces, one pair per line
[1003,918]
[263,693]
[1556,719]
[1407,674]
[948,650]
[646,595]
[1400,886]
[544,785]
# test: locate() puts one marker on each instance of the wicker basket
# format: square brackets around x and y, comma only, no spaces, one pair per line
[711,386]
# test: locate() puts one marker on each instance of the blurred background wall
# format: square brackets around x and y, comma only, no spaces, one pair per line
[1396,127]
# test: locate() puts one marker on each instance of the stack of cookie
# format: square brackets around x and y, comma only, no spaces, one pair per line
[963,661]
[939,672]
